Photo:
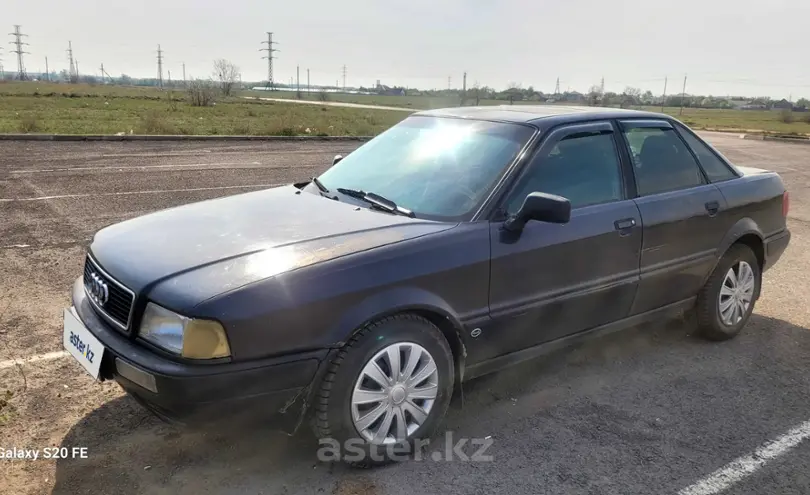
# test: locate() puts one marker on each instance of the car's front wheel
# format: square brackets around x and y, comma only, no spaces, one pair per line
[390,385]
[727,300]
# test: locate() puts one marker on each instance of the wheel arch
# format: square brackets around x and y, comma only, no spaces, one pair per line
[406,300]
[745,232]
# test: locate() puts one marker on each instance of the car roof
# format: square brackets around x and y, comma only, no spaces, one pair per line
[539,114]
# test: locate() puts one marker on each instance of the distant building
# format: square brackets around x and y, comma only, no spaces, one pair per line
[382,89]
[782,104]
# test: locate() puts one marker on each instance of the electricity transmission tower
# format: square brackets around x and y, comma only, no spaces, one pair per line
[73,75]
[18,44]
[160,67]
[344,78]
[270,50]
[557,87]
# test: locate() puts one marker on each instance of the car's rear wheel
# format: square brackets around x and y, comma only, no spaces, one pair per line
[727,300]
[390,385]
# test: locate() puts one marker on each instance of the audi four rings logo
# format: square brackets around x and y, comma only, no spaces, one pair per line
[97,288]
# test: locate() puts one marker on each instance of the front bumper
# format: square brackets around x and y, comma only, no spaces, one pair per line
[275,389]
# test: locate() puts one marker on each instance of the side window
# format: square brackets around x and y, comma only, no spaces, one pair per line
[714,167]
[661,162]
[581,167]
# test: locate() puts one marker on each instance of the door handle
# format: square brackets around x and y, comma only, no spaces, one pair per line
[625,224]
[712,207]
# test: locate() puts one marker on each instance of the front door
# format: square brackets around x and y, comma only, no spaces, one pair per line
[550,280]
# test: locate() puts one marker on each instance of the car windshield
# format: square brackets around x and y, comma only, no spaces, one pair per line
[438,168]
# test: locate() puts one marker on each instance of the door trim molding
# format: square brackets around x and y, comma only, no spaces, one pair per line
[513,308]
[501,362]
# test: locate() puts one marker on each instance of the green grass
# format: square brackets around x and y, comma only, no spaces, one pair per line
[744,120]
[101,109]
[414,102]
[114,110]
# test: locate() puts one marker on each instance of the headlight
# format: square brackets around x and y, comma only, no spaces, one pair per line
[188,337]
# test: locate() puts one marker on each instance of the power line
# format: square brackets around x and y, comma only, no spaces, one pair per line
[18,44]
[270,51]
[160,66]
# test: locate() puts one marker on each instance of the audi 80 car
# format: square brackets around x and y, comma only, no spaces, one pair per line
[456,243]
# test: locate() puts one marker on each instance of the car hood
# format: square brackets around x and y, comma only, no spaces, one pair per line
[244,238]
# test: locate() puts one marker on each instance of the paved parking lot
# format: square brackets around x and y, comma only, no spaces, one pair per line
[651,410]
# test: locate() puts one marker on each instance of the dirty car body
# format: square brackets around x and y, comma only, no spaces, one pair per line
[288,275]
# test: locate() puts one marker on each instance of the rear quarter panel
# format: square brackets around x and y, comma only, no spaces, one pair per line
[756,196]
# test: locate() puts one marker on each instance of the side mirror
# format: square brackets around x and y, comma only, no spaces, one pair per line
[541,207]
[336,159]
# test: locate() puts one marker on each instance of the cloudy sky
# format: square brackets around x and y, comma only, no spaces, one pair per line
[725,47]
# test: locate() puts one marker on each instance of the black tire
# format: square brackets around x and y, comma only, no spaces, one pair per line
[709,321]
[333,418]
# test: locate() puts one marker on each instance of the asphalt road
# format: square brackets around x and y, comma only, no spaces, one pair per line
[650,410]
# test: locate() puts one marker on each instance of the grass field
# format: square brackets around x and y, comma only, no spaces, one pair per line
[83,109]
[100,109]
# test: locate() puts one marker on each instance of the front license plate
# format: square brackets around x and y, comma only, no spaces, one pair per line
[82,344]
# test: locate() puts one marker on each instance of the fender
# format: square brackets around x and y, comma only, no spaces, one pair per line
[744,226]
[395,300]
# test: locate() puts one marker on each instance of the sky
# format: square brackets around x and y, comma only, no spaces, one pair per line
[722,47]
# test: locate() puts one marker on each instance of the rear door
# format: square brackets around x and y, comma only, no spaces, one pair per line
[553,280]
[680,211]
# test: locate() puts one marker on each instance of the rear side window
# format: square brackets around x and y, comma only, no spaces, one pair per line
[715,169]
[584,168]
[661,161]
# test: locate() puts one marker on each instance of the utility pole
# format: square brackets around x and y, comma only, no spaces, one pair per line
[602,86]
[664,98]
[77,70]
[160,67]
[683,94]
[298,81]
[170,79]
[270,50]
[18,44]
[464,88]
[449,82]
[47,70]
[102,72]
[344,78]
[72,76]
[2,71]
[557,87]
[184,73]
[309,90]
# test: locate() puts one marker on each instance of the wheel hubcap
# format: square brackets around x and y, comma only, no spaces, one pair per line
[736,293]
[394,393]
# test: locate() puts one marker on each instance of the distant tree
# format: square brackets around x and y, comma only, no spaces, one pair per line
[595,95]
[630,96]
[803,102]
[64,75]
[201,93]
[125,80]
[227,74]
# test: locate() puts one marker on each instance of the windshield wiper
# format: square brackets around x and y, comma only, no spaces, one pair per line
[376,200]
[320,185]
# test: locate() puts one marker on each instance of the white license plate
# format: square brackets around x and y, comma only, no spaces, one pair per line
[82,344]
